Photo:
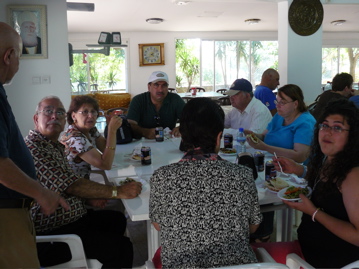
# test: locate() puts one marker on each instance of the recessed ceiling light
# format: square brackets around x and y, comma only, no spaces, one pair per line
[181,2]
[252,21]
[338,22]
[154,20]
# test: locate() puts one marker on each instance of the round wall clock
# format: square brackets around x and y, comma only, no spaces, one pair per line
[151,54]
[305,16]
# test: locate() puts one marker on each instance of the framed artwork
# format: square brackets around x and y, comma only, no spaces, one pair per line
[31,23]
[151,54]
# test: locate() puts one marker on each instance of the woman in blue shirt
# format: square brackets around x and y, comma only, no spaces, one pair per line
[290,132]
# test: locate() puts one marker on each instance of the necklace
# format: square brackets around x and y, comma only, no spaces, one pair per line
[318,178]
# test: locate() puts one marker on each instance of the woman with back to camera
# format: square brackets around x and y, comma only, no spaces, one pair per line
[84,145]
[329,231]
[290,132]
[204,206]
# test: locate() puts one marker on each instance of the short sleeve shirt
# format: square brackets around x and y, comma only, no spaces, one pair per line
[144,113]
[204,209]
[266,95]
[12,145]
[76,142]
[299,131]
[54,173]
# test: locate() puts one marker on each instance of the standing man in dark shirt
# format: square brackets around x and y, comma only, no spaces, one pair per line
[157,107]
[17,172]
[264,91]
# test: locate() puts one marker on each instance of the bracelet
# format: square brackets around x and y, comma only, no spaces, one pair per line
[304,171]
[315,213]
[114,192]
[113,148]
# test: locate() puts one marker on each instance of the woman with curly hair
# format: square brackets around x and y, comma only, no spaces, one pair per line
[329,231]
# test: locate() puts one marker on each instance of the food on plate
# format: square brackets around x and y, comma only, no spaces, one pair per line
[228,150]
[253,137]
[136,157]
[293,192]
[276,184]
[127,180]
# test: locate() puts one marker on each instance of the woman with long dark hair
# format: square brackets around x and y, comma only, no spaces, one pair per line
[329,231]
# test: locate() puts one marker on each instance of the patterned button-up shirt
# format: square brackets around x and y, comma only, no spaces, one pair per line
[54,173]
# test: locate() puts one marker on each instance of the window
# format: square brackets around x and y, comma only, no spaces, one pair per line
[93,72]
[338,60]
[215,64]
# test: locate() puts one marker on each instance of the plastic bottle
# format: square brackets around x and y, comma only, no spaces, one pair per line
[241,139]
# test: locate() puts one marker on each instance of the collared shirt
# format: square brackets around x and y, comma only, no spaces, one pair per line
[54,173]
[143,111]
[12,146]
[255,117]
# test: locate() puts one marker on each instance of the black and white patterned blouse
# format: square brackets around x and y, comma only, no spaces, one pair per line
[204,209]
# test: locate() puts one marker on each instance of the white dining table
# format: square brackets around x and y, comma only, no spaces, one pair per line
[167,152]
[213,95]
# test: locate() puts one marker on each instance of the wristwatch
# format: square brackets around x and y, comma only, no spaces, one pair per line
[114,192]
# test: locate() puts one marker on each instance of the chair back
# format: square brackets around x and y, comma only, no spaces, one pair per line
[172,89]
[78,259]
[221,91]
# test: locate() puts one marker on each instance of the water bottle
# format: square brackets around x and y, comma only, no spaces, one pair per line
[241,140]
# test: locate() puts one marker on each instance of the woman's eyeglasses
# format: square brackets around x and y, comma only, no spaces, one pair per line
[335,129]
[281,103]
[86,112]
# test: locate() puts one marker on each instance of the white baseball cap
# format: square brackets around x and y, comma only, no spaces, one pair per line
[158,76]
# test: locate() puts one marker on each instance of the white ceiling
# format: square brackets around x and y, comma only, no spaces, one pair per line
[198,15]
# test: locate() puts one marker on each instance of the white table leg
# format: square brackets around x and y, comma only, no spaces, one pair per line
[153,240]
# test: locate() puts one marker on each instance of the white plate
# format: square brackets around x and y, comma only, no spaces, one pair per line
[281,194]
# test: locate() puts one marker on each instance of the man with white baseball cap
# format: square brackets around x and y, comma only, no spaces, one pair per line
[247,112]
[155,108]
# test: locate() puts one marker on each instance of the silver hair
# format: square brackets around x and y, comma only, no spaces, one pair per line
[46,98]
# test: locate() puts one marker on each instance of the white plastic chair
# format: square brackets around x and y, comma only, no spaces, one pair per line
[295,262]
[266,262]
[77,251]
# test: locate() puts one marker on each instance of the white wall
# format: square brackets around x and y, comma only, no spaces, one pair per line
[22,94]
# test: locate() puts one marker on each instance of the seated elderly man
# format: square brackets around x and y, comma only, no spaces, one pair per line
[101,231]
[155,108]
[247,112]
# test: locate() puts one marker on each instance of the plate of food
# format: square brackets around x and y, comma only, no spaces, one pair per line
[227,151]
[292,193]
[119,181]
[135,157]
[276,184]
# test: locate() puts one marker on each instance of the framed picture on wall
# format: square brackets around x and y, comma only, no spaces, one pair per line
[31,23]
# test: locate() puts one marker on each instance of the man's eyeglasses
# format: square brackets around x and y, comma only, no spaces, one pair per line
[335,129]
[50,112]
[86,113]
[281,103]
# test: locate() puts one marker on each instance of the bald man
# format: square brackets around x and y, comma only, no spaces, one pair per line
[18,187]
[264,91]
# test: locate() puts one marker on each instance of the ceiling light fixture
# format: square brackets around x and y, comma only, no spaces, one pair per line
[154,20]
[338,22]
[252,21]
[181,2]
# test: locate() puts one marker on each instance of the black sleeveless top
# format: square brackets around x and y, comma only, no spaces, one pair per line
[320,247]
